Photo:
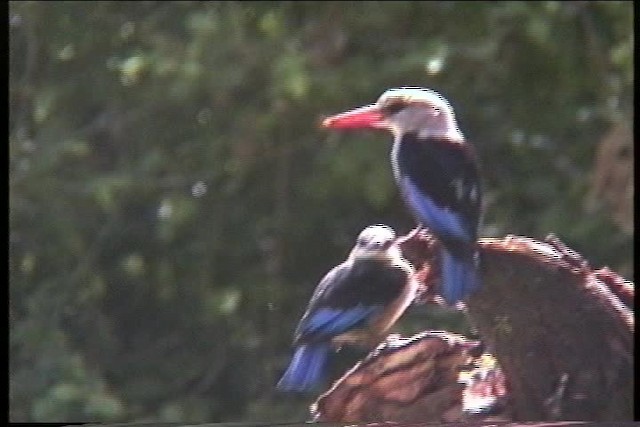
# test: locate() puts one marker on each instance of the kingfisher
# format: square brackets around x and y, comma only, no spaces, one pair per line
[437,173]
[355,303]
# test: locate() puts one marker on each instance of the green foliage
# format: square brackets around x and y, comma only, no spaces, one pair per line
[173,202]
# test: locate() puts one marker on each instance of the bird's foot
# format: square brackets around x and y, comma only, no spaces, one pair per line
[413,234]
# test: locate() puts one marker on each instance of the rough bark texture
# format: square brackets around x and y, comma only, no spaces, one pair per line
[561,332]
[402,380]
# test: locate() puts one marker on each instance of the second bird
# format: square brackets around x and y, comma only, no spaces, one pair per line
[437,173]
[355,303]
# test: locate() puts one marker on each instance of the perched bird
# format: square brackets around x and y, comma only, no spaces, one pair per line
[437,173]
[356,302]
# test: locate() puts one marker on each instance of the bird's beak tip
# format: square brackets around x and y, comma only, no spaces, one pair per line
[326,122]
[360,118]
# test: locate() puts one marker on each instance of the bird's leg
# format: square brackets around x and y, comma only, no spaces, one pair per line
[413,233]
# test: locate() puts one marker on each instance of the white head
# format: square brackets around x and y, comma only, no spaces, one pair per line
[418,110]
[403,110]
[376,242]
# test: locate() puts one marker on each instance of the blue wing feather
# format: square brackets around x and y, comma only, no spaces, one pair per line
[459,270]
[459,277]
[346,298]
[443,221]
[306,370]
[330,322]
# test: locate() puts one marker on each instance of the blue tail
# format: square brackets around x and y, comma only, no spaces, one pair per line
[459,276]
[306,370]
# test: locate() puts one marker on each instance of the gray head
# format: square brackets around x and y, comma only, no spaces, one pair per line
[419,110]
[403,110]
[375,241]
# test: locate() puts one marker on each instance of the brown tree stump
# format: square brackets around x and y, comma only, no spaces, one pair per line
[561,332]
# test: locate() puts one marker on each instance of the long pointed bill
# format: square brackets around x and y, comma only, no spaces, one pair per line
[368,116]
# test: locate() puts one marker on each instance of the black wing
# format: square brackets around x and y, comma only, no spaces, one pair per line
[446,173]
[348,295]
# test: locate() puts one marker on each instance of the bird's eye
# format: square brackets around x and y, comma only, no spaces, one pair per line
[362,241]
[393,107]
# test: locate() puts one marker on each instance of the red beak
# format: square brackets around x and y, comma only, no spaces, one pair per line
[361,118]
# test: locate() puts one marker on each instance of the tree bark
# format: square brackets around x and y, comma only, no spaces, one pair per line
[561,332]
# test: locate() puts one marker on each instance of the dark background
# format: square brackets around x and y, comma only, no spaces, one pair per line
[173,202]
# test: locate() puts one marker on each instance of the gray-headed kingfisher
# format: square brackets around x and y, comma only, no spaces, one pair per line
[356,302]
[437,173]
